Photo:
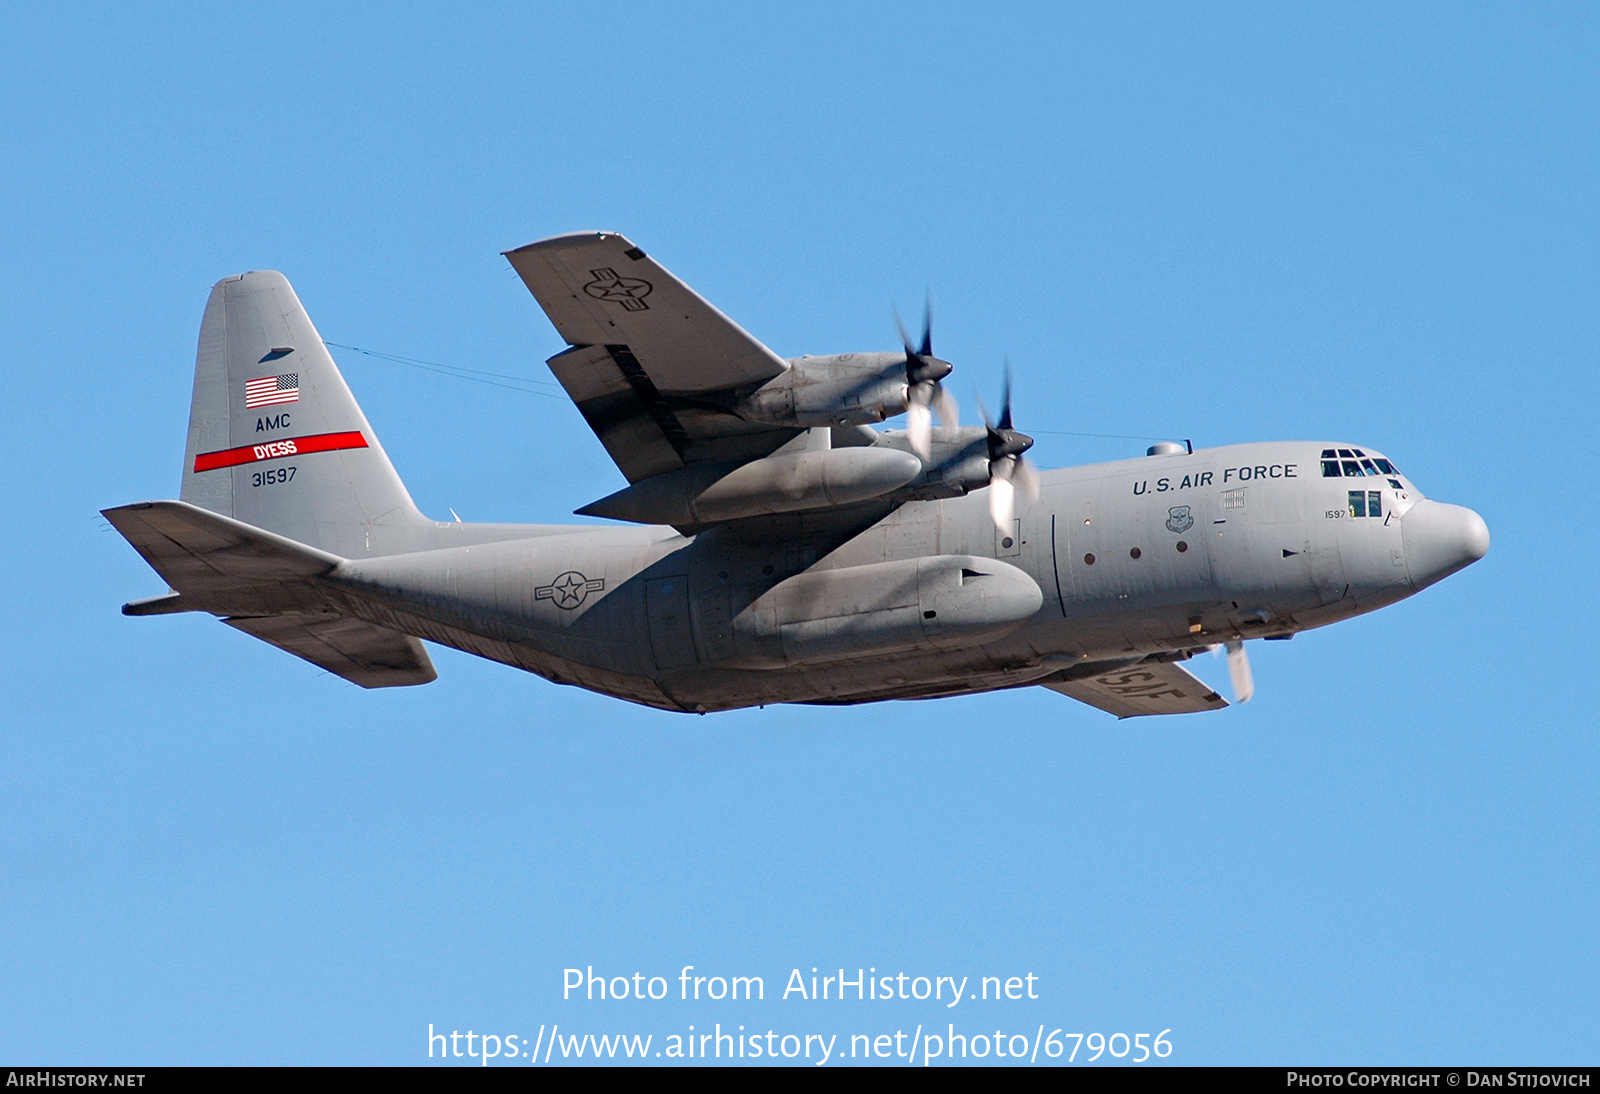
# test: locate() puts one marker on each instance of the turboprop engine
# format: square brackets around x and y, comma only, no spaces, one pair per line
[838,389]
[858,388]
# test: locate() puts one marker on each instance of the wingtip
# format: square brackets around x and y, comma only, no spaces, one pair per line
[124,508]
[166,604]
[567,237]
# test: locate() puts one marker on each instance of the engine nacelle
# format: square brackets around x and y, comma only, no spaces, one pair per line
[957,463]
[786,482]
[944,602]
[837,389]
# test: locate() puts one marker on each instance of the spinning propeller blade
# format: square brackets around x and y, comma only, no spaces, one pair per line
[919,428]
[1244,685]
[1002,501]
[923,390]
[1008,471]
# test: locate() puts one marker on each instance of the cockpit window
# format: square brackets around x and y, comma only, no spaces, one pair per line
[1354,463]
[1358,503]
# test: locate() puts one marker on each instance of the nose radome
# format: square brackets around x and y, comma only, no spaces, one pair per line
[1441,539]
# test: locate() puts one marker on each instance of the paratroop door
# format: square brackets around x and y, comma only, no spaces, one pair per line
[667,605]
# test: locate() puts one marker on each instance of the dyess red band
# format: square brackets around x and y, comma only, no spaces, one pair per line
[277,450]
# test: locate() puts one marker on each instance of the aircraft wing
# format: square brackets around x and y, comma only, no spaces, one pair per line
[652,366]
[1130,691]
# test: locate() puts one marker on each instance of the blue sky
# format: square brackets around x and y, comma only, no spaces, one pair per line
[1366,222]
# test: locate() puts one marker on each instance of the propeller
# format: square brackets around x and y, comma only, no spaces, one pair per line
[1008,471]
[925,396]
[1244,684]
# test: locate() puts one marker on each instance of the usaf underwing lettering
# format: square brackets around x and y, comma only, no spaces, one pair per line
[774,544]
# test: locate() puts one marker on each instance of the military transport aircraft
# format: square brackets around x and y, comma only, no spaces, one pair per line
[774,547]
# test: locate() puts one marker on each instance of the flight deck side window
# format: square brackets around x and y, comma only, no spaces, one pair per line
[1366,503]
[1386,467]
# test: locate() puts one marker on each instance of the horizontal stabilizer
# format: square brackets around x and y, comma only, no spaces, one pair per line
[363,653]
[264,583]
[1145,687]
[221,565]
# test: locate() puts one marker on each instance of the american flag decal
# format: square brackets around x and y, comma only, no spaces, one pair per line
[270,390]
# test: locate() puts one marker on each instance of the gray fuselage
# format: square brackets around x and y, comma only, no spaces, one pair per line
[1163,555]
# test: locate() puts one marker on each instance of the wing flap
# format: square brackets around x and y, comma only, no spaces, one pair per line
[639,431]
[1132,691]
[361,652]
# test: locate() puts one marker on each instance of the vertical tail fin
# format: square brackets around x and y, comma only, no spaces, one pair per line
[276,440]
